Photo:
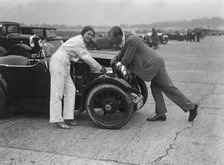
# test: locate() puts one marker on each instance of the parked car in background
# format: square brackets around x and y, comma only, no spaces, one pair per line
[163,38]
[53,41]
[176,35]
[104,42]
[12,42]
[146,39]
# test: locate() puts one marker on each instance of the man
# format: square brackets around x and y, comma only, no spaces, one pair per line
[155,39]
[149,66]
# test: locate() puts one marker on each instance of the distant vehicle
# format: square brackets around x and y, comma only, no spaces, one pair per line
[45,33]
[163,38]
[104,42]
[176,35]
[12,42]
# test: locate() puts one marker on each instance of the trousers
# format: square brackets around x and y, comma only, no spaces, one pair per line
[61,86]
[162,83]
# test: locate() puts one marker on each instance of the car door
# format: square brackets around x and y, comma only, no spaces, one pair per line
[32,82]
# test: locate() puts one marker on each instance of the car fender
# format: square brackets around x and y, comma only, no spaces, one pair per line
[20,45]
[105,79]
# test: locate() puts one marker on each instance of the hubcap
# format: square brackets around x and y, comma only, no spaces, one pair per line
[107,107]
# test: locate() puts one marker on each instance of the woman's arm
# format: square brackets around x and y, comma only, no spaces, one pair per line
[87,58]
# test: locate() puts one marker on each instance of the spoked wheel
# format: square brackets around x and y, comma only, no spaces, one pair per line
[109,106]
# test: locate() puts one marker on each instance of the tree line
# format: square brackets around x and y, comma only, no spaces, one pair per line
[209,23]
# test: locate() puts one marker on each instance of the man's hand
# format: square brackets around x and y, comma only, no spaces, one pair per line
[118,65]
[103,70]
[113,60]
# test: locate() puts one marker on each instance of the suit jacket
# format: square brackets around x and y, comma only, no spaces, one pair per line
[139,58]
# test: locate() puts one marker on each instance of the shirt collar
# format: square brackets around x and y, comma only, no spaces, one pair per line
[123,39]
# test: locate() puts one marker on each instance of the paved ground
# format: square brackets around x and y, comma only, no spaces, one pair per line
[196,68]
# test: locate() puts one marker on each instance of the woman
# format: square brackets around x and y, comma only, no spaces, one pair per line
[61,81]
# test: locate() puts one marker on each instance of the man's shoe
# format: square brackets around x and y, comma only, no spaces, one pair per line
[193,113]
[71,122]
[160,117]
[62,125]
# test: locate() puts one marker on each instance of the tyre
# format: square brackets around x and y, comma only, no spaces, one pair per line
[109,106]
[114,47]
[91,46]
[140,85]
[143,89]
[165,40]
[2,102]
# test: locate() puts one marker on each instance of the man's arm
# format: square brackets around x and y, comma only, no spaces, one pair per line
[118,57]
[130,51]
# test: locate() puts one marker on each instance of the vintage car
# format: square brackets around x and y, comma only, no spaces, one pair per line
[53,41]
[109,98]
[13,42]
[176,35]
[163,38]
[104,42]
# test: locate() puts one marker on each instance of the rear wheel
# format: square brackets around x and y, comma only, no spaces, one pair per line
[109,106]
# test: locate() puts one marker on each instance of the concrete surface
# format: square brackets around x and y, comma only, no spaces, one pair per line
[195,68]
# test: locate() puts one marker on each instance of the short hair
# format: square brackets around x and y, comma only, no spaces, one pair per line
[115,31]
[87,28]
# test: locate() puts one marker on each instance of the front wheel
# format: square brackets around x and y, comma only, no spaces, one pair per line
[109,106]
[142,87]
[165,40]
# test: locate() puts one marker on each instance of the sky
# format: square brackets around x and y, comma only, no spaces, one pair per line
[107,12]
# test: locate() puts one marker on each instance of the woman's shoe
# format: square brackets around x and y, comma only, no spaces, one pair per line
[71,123]
[160,117]
[62,125]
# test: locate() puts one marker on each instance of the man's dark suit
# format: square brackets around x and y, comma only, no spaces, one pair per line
[149,66]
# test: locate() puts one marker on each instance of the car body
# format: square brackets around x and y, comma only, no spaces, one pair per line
[104,42]
[53,41]
[13,42]
[27,88]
